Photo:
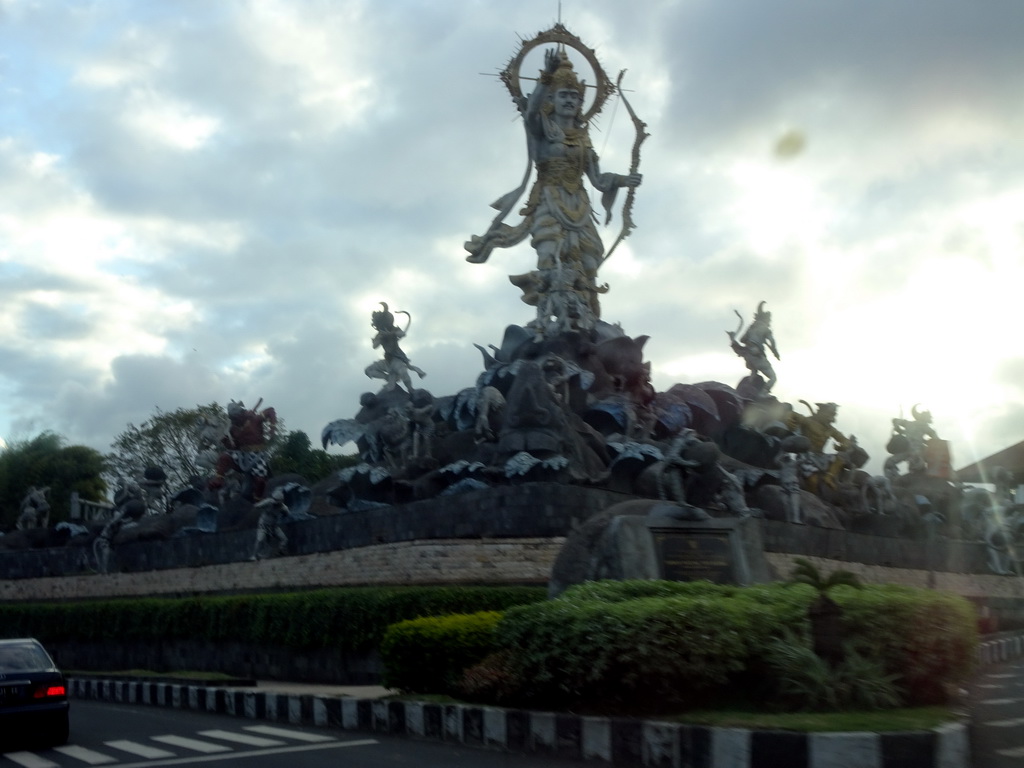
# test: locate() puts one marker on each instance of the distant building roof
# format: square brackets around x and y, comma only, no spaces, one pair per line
[1011,458]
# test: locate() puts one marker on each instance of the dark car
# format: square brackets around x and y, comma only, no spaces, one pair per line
[33,693]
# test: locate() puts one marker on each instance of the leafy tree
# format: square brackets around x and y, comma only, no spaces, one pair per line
[824,613]
[46,461]
[168,440]
[294,453]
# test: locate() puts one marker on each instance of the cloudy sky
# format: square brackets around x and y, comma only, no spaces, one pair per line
[203,200]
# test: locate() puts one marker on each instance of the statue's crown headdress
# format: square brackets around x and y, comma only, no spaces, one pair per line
[564,78]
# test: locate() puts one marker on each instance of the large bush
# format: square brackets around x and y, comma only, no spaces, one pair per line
[630,653]
[927,638]
[643,646]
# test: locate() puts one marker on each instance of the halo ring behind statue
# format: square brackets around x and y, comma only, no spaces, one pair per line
[560,35]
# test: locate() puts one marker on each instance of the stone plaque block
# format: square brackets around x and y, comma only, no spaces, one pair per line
[692,555]
[720,550]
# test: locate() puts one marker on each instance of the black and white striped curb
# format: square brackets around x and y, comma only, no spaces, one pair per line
[1003,648]
[616,741]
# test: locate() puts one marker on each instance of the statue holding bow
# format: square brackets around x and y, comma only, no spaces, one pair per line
[558,215]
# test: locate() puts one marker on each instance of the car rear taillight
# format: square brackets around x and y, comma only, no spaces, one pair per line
[49,692]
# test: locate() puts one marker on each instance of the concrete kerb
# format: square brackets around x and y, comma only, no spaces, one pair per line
[1005,646]
[615,741]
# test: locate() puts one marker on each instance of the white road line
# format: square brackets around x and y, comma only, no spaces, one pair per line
[142,750]
[1000,701]
[86,755]
[1015,752]
[990,685]
[194,744]
[999,677]
[242,738]
[270,730]
[1004,723]
[30,760]
[240,756]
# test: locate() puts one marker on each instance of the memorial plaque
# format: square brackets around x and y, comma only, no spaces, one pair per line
[693,554]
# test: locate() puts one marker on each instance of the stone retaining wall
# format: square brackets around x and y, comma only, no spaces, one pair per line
[504,535]
[442,561]
[527,511]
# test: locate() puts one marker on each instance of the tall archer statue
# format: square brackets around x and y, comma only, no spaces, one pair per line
[558,215]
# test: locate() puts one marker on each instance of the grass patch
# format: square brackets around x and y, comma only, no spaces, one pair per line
[910,719]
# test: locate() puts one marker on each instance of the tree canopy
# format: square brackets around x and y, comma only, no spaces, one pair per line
[167,439]
[294,453]
[46,461]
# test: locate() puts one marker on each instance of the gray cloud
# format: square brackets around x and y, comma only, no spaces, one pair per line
[212,198]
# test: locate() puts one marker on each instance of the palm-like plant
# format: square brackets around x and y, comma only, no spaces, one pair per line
[825,615]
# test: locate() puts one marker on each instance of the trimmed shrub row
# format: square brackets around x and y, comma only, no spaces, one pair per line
[431,653]
[349,619]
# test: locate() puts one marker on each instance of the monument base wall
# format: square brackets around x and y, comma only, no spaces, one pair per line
[441,561]
[526,511]
[511,535]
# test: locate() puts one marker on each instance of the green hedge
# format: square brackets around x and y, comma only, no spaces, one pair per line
[429,655]
[349,619]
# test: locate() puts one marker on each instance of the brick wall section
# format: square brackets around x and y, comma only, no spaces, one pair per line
[444,561]
[972,585]
[998,597]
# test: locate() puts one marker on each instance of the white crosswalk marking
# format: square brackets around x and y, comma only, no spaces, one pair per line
[194,744]
[1005,723]
[86,755]
[30,760]
[142,750]
[284,733]
[242,738]
[263,739]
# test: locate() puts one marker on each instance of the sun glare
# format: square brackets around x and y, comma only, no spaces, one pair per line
[775,206]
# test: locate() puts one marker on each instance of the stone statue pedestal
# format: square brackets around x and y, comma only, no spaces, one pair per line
[648,539]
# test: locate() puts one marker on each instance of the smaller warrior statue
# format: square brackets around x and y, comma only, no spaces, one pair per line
[35,509]
[912,442]
[751,346]
[273,512]
[823,468]
[789,462]
[396,365]
[129,505]
[249,433]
